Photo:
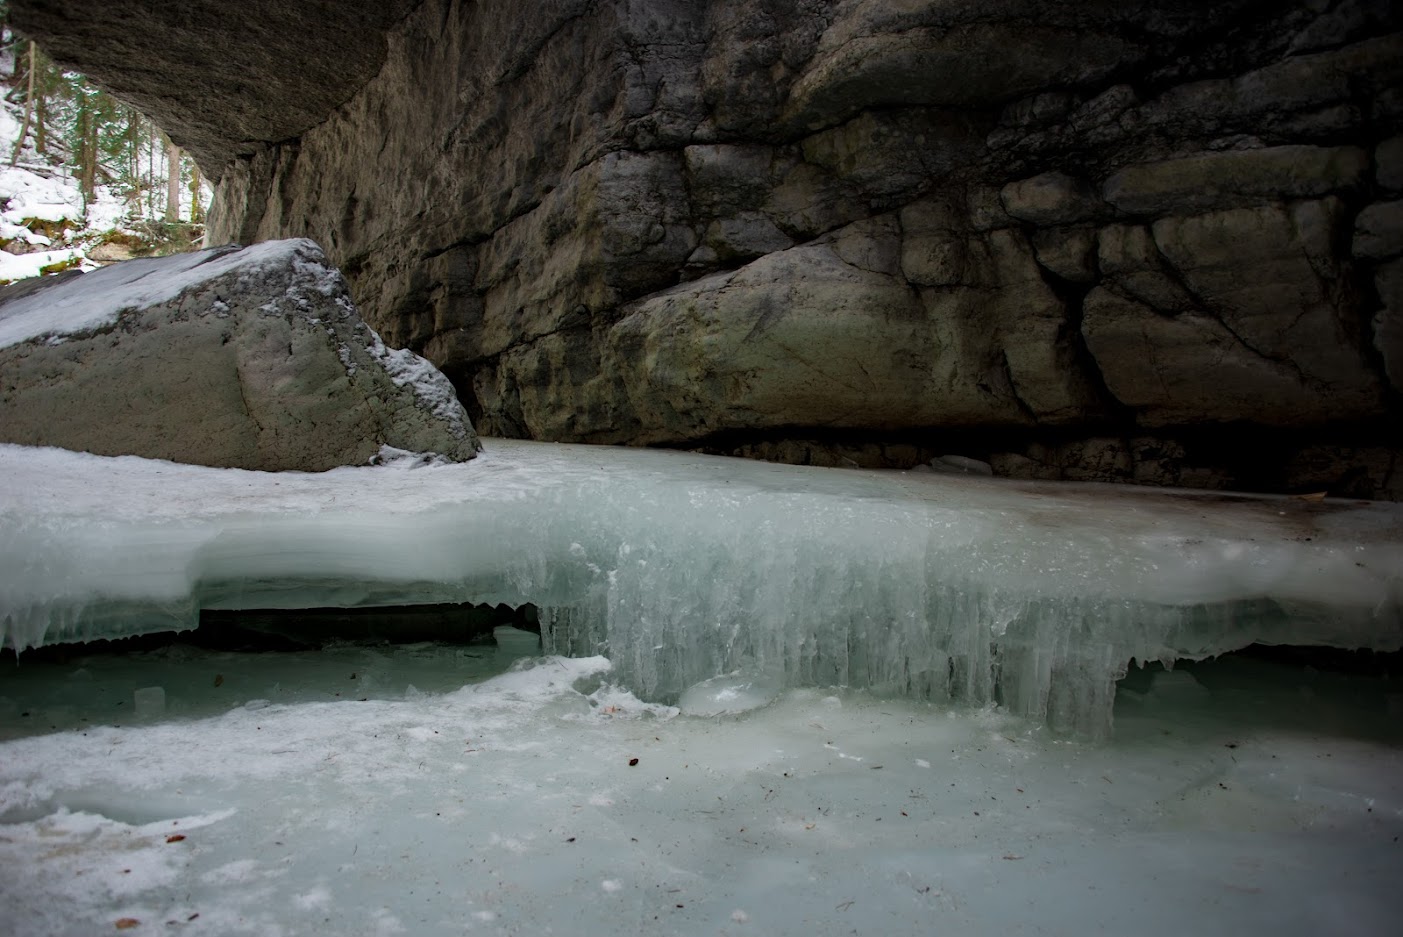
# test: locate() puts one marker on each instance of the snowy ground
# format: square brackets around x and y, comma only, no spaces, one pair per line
[33,190]
[26,194]
[369,791]
[37,189]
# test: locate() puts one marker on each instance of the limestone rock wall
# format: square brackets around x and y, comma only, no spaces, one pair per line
[1156,241]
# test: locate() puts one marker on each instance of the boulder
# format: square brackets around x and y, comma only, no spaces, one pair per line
[111,252]
[1236,177]
[1378,231]
[1236,315]
[249,358]
[1052,198]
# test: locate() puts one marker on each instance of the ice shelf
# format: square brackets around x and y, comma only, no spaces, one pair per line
[683,567]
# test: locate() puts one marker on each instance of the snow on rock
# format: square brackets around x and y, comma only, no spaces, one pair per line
[17,232]
[97,301]
[252,357]
[683,567]
[428,384]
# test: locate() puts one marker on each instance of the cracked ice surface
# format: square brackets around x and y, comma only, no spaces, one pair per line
[683,567]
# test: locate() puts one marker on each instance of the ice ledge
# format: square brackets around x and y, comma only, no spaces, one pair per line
[681,567]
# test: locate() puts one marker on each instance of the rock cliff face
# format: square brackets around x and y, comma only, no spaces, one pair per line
[1155,241]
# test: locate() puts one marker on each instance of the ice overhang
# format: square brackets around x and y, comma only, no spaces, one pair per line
[680,567]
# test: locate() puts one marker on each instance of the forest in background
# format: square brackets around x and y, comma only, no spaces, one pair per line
[69,120]
[85,179]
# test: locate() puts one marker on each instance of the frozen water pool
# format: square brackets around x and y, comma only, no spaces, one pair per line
[876,672]
[433,789]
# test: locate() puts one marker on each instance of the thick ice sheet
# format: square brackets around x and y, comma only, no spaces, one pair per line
[683,567]
[1250,803]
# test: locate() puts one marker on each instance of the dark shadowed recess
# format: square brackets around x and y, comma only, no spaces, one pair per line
[1237,457]
[1289,690]
[306,629]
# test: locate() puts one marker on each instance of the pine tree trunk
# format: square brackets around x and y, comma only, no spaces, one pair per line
[133,145]
[41,103]
[197,212]
[81,138]
[41,126]
[28,108]
[172,183]
[87,159]
[151,173]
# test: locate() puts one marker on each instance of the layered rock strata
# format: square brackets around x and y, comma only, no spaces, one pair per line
[251,358]
[1154,241]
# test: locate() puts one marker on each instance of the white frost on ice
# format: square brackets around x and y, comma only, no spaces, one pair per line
[317,899]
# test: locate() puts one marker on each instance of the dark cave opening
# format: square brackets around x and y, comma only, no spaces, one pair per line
[308,629]
[1284,688]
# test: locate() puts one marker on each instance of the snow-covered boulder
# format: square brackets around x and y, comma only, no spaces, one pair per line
[251,358]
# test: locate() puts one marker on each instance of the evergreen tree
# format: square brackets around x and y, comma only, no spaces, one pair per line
[197,209]
[172,181]
[79,130]
[28,105]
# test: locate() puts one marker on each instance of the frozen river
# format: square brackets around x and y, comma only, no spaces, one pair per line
[927,668]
